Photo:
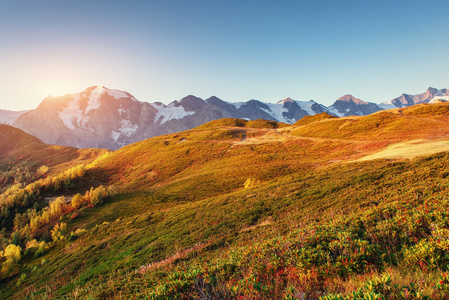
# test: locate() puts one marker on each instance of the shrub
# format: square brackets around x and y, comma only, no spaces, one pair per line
[15,238]
[250,182]
[13,256]
[40,251]
[57,207]
[21,279]
[58,231]
[72,236]
[74,215]
[12,252]
[32,244]
[97,195]
[42,170]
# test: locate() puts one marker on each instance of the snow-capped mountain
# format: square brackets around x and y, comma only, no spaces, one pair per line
[106,118]
[96,117]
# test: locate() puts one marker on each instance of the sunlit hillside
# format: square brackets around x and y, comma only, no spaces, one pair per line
[326,208]
[24,158]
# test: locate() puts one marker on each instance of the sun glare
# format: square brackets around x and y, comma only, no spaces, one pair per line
[54,90]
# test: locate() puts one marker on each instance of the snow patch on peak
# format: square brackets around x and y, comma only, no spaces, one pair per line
[121,110]
[99,90]
[173,111]
[437,98]
[440,94]
[94,99]
[307,106]
[75,115]
[120,94]
[72,113]
[332,110]
[288,99]
[126,129]
[95,94]
[115,135]
[237,105]
[276,111]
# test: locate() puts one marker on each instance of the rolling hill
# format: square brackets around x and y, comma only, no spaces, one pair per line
[240,209]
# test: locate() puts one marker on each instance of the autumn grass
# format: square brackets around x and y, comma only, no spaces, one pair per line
[423,121]
[409,149]
[312,224]
[296,205]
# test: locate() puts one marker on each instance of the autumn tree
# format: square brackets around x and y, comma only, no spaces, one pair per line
[77,201]
[13,256]
[57,207]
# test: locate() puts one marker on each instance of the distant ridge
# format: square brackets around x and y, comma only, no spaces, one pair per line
[107,118]
[348,105]
[407,100]
[8,116]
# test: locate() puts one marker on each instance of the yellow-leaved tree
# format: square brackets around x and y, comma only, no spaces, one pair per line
[57,233]
[13,256]
[56,207]
[77,201]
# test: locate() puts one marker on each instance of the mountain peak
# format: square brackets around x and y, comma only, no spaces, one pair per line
[191,103]
[350,98]
[97,92]
[212,99]
[95,87]
[432,90]
[288,99]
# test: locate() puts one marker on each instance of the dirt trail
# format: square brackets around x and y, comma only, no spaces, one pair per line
[67,198]
[283,135]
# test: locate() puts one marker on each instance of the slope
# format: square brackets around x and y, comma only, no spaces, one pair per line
[419,121]
[24,158]
[253,210]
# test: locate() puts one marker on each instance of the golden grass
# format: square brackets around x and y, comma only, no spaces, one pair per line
[266,222]
[182,196]
[409,150]
[269,136]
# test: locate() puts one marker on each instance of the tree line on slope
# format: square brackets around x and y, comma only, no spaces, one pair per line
[20,204]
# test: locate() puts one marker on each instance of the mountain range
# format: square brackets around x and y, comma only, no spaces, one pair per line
[99,117]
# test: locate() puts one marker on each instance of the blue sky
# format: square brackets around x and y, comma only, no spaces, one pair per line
[235,50]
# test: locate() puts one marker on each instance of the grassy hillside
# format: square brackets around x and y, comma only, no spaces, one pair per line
[242,209]
[25,158]
[419,121]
